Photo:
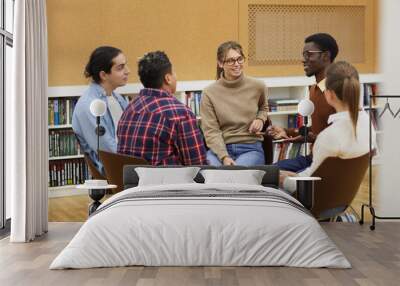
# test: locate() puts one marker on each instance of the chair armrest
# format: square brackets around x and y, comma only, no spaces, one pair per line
[305,190]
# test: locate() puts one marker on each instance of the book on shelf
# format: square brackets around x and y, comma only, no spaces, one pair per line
[282,104]
[191,99]
[67,172]
[63,143]
[366,90]
[295,121]
[288,150]
[60,110]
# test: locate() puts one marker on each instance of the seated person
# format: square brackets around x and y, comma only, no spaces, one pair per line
[156,126]
[319,51]
[233,112]
[348,135]
[108,70]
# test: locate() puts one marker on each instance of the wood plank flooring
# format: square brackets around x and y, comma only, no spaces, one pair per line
[374,255]
[74,208]
[69,209]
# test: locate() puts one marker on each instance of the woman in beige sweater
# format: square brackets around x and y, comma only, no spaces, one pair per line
[233,112]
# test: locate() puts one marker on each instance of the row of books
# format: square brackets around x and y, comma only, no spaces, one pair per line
[191,99]
[63,143]
[283,104]
[68,172]
[289,150]
[295,121]
[60,110]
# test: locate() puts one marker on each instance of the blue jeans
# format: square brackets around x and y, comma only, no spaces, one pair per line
[243,154]
[298,164]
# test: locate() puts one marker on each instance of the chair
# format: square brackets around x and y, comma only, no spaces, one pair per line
[341,179]
[114,164]
[267,143]
[92,169]
[268,149]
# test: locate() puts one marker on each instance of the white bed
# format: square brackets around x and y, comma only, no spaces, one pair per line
[225,225]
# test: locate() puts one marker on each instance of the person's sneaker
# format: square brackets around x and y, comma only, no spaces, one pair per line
[346,217]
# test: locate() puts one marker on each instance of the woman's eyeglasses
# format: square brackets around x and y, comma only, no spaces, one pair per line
[232,61]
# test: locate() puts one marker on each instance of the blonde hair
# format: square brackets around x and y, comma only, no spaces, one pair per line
[343,79]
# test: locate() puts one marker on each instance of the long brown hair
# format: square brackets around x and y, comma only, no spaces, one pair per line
[223,50]
[343,79]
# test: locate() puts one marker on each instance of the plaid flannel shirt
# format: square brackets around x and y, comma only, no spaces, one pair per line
[160,129]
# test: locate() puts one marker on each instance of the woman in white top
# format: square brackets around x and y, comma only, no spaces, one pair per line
[348,133]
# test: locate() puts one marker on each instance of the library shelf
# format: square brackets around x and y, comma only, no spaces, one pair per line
[61,126]
[66,157]
[274,113]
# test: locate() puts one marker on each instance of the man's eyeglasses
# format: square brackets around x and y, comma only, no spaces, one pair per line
[308,54]
[232,61]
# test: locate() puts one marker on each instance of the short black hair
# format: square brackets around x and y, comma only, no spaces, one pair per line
[325,42]
[101,59]
[152,68]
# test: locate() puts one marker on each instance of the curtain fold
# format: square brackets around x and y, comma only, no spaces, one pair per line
[27,140]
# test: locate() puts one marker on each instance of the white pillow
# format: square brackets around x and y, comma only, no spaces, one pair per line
[166,176]
[248,177]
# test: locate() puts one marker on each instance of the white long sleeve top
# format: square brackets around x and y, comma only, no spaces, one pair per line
[338,140]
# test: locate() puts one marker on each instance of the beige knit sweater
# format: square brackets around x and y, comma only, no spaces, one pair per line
[227,110]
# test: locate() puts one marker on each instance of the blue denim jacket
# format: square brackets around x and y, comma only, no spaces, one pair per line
[84,123]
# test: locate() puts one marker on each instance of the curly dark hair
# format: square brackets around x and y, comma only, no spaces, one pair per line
[325,42]
[152,68]
[101,59]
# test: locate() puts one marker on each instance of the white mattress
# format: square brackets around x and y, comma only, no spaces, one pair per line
[183,231]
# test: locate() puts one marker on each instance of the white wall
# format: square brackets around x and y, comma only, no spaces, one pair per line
[388,197]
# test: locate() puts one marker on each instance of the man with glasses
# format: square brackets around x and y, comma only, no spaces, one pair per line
[319,51]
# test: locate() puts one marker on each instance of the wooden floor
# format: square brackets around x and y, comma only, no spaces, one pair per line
[69,209]
[74,208]
[374,255]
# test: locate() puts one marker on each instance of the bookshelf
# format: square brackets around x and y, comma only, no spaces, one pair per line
[279,88]
[67,167]
[66,157]
[61,126]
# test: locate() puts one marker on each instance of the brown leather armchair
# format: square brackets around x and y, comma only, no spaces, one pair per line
[114,164]
[341,179]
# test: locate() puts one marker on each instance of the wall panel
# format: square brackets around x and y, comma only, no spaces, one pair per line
[188,31]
